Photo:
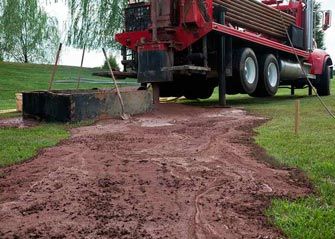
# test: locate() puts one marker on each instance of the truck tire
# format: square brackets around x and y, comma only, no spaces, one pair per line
[199,90]
[246,69]
[171,89]
[269,77]
[233,87]
[323,86]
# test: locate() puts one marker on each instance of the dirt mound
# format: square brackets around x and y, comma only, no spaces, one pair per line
[179,172]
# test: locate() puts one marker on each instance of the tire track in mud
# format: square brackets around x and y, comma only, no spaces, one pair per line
[179,172]
[203,229]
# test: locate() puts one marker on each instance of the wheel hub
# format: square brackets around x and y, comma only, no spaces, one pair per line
[250,70]
[272,75]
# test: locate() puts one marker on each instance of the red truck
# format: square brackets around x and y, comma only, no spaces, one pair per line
[189,47]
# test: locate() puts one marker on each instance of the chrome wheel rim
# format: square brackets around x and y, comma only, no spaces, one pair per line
[250,70]
[272,75]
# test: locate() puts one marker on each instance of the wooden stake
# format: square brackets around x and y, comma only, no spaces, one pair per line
[124,115]
[81,66]
[297,117]
[55,66]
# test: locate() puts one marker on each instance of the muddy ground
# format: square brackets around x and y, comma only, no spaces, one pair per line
[179,172]
[17,123]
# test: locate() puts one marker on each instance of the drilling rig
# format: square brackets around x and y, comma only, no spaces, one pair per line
[189,47]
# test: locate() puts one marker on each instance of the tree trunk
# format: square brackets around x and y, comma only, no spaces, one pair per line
[25,57]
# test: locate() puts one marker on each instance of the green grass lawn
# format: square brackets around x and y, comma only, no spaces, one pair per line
[18,145]
[312,151]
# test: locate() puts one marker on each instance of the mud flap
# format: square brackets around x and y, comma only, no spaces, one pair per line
[150,64]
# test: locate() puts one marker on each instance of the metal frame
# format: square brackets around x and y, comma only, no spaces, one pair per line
[251,37]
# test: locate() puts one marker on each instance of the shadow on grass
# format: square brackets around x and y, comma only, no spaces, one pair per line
[243,100]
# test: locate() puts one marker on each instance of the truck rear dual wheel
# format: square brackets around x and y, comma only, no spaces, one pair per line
[246,69]
[269,77]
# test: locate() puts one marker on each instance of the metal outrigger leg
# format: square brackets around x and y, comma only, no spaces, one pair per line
[222,62]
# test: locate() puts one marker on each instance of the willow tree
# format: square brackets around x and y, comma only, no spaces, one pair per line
[95,22]
[1,32]
[319,34]
[28,33]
